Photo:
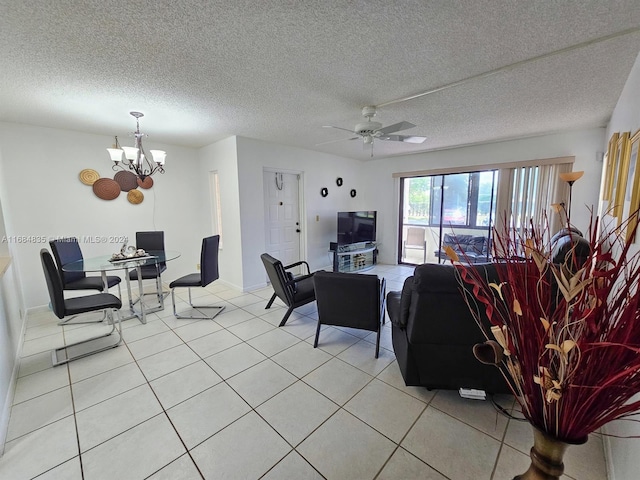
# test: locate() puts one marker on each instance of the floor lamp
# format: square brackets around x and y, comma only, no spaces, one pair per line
[570,178]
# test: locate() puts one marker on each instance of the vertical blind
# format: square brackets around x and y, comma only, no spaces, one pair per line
[527,193]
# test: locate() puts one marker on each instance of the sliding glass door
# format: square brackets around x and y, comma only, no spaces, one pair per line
[439,210]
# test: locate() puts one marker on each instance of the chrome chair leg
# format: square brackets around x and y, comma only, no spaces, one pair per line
[219,309]
[66,357]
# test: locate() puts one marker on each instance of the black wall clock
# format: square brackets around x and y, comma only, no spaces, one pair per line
[324,192]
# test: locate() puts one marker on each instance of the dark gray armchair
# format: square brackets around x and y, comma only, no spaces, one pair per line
[294,291]
[350,300]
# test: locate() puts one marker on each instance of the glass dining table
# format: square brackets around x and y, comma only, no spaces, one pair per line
[104,264]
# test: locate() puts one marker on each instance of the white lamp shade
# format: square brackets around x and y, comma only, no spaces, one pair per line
[131,153]
[115,154]
[159,156]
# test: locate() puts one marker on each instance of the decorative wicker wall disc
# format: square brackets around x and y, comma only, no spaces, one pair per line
[126,180]
[88,176]
[106,189]
[146,183]
[135,196]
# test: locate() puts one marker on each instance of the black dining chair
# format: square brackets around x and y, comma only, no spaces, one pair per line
[67,250]
[350,300]
[149,242]
[208,273]
[64,307]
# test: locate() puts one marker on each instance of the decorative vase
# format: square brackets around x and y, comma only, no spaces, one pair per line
[546,457]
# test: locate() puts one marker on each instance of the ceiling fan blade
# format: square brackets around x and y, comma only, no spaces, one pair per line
[396,127]
[339,128]
[403,138]
[335,141]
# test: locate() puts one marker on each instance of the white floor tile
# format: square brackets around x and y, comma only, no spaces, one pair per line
[167,361]
[181,469]
[228,318]
[362,355]
[107,419]
[86,367]
[214,343]
[293,466]
[106,385]
[274,341]
[69,470]
[198,329]
[334,341]
[297,411]
[344,447]
[184,383]
[39,383]
[392,376]
[301,358]
[480,414]
[247,448]
[39,411]
[386,409]
[251,328]
[34,363]
[451,447]
[154,344]
[39,451]
[234,360]
[136,453]
[261,382]
[205,414]
[403,465]
[337,380]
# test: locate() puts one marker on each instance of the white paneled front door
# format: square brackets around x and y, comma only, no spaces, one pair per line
[282,216]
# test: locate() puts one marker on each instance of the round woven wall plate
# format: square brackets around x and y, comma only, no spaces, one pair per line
[146,183]
[88,176]
[126,180]
[135,196]
[106,189]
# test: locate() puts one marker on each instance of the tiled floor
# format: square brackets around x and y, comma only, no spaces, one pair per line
[240,398]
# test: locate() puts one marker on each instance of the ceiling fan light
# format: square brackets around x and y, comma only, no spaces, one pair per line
[413,139]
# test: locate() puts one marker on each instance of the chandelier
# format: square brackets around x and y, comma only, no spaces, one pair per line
[135,158]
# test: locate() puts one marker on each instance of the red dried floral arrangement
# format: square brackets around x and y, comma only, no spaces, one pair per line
[565,336]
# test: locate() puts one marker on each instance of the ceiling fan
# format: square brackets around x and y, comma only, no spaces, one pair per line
[371,130]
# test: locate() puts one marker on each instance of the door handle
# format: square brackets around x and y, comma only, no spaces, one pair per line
[297,230]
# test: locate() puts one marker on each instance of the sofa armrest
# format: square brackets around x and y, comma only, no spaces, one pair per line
[398,304]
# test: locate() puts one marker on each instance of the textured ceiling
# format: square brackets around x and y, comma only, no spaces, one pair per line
[280,70]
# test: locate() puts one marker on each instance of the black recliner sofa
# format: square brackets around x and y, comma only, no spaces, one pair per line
[434,332]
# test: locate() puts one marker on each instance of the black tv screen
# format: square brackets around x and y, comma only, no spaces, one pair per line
[354,227]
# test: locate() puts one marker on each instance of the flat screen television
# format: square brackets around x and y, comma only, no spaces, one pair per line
[354,227]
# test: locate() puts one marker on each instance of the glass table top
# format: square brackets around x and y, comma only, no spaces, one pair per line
[102,263]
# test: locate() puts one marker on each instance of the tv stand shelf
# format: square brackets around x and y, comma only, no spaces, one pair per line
[356,257]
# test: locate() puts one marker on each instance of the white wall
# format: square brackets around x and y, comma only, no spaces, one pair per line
[11,324]
[318,170]
[583,144]
[43,196]
[625,452]
[222,157]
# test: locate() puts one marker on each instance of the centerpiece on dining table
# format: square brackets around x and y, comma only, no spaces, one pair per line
[128,253]
[565,335]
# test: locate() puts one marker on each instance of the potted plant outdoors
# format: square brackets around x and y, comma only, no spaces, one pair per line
[566,335]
